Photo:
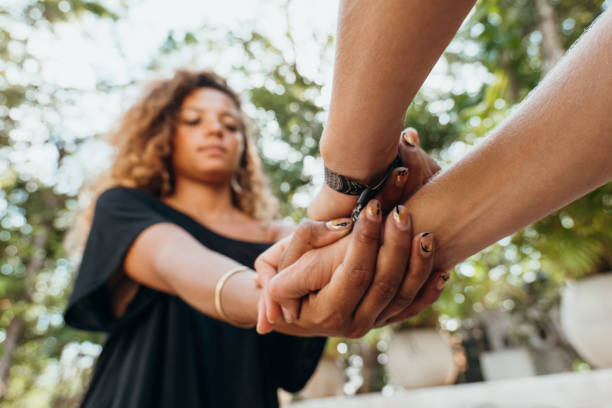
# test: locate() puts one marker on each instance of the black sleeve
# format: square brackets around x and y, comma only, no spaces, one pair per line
[296,358]
[121,214]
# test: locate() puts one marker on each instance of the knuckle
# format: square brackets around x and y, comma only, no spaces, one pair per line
[403,299]
[308,258]
[384,288]
[368,234]
[259,263]
[332,322]
[419,275]
[303,232]
[398,240]
[311,281]
[320,320]
[361,277]
[356,332]
[273,290]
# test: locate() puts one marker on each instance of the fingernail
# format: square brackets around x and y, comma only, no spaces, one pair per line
[408,138]
[401,217]
[339,224]
[373,209]
[402,176]
[426,242]
[260,311]
[287,316]
[442,280]
[268,310]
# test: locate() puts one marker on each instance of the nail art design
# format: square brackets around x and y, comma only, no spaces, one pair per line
[400,215]
[408,138]
[374,208]
[401,177]
[442,281]
[426,242]
[339,224]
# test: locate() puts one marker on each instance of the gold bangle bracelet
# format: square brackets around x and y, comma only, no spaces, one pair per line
[218,290]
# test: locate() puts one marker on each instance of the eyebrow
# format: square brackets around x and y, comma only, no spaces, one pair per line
[200,110]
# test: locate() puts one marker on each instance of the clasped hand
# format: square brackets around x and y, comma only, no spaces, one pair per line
[326,280]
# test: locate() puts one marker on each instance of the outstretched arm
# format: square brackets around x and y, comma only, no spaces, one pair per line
[554,148]
[385,50]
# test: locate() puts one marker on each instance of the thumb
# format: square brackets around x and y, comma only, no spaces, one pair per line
[313,234]
[308,274]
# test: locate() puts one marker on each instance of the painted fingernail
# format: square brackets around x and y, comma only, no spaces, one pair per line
[402,176]
[442,280]
[339,224]
[373,209]
[426,242]
[401,217]
[408,137]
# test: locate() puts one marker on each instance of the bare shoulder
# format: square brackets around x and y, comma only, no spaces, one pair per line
[280,229]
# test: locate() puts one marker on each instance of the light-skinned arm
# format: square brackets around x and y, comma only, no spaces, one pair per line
[167,258]
[556,147]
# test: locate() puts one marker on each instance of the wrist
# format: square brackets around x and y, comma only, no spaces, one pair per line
[364,164]
[329,204]
[237,299]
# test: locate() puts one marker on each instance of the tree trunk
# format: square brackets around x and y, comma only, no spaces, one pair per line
[552,50]
[13,333]
[39,242]
[16,327]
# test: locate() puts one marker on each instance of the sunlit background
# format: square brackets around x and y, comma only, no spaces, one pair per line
[69,68]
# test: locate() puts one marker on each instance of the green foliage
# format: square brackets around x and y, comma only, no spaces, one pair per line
[34,271]
[499,48]
[505,37]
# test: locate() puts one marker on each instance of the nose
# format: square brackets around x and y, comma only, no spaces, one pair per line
[213,127]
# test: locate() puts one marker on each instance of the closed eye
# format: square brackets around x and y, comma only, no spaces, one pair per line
[192,122]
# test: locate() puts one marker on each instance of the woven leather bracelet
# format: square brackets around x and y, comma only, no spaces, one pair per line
[345,185]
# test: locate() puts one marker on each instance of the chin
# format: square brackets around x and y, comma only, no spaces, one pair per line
[215,172]
[214,175]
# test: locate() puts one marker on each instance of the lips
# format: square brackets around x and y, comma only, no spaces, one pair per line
[215,149]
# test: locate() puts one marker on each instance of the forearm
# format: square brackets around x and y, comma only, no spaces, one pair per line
[385,50]
[193,273]
[553,149]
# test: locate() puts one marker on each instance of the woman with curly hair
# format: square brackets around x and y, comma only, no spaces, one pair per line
[167,269]
[184,208]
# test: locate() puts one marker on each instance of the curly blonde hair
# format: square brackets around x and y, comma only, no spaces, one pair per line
[144,148]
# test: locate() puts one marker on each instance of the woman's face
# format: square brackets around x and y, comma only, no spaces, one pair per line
[208,143]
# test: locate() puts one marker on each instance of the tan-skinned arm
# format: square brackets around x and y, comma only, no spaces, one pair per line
[556,147]
[553,149]
[167,258]
[384,52]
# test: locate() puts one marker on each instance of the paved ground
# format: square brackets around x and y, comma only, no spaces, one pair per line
[572,390]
